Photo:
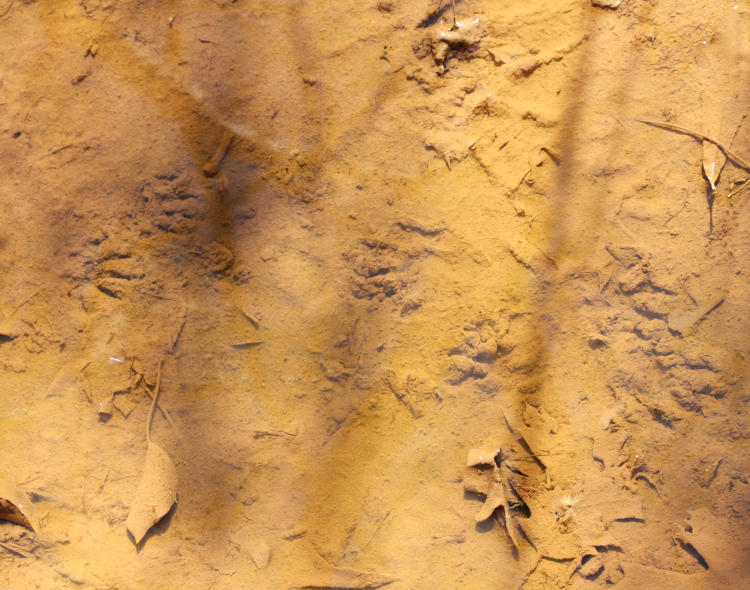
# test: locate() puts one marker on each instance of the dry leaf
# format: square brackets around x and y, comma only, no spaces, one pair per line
[495,498]
[156,493]
[713,160]
[483,455]
[496,490]
[13,510]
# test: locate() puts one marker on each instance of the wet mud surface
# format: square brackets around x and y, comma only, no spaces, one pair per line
[436,305]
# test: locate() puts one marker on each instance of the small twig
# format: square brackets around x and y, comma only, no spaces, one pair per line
[86,390]
[16,550]
[7,10]
[684,204]
[515,430]
[248,344]
[179,330]
[211,167]
[24,302]
[57,151]
[251,318]
[727,152]
[162,409]
[455,26]
[744,185]
[153,404]
[272,433]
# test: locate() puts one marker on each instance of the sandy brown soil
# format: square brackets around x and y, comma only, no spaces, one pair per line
[413,248]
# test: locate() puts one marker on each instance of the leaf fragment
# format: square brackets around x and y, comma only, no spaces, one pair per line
[482,456]
[156,493]
[498,490]
[157,490]
[14,511]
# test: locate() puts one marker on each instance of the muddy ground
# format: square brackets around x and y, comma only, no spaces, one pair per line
[425,238]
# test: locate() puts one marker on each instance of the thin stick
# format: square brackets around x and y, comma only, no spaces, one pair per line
[7,10]
[455,26]
[211,168]
[24,302]
[164,411]
[745,184]
[153,404]
[16,550]
[727,152]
